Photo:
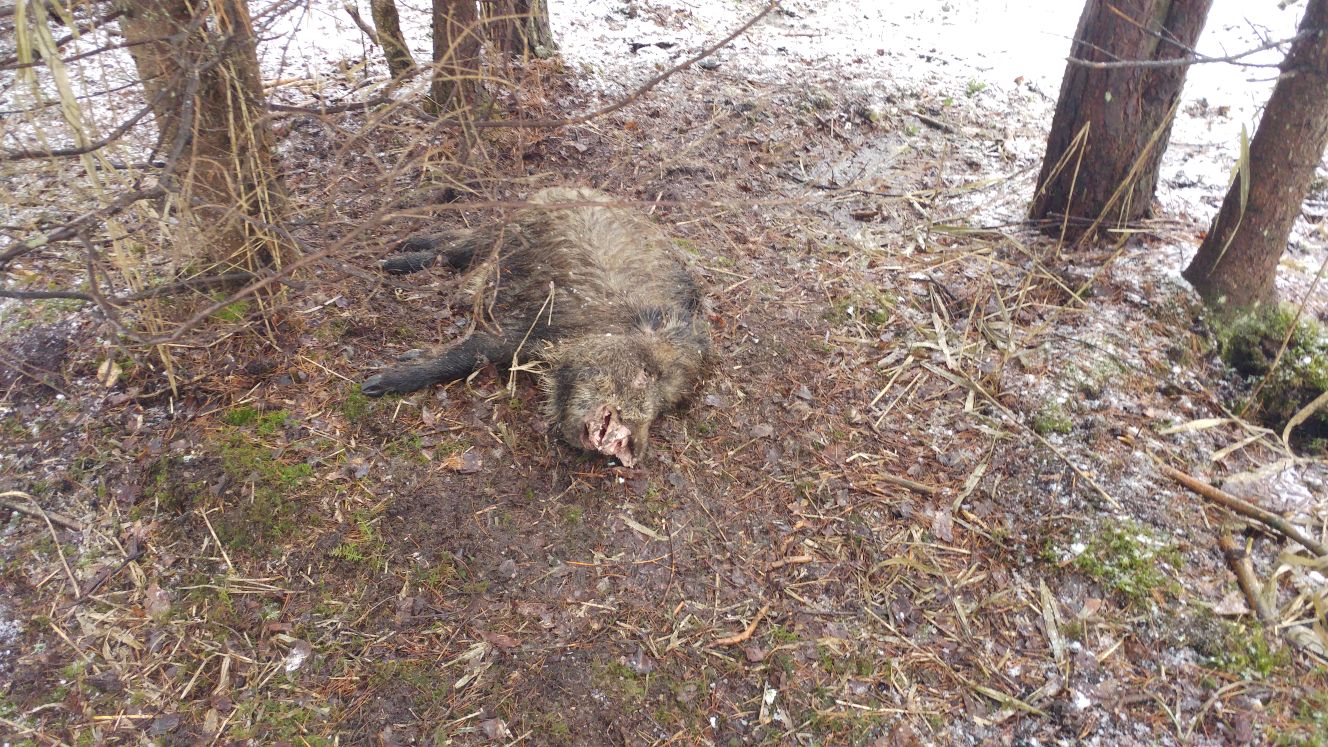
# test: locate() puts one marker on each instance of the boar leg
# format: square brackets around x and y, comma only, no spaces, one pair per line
[457,248]
[458,361]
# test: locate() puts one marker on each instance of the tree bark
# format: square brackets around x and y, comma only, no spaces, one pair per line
[388,25]
[456,55]
[1112,125]
[1236,267]
[521,27]
[200,76]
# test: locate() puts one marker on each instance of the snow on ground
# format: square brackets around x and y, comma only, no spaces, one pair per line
[949,46]
[1004,56]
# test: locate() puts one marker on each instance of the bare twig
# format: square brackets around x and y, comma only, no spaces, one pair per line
[111,137]
[60,550]
[1246,509]
[107,575]
[1197,59]
[748,632]
[353,106]
[83,27]
[368,30]
[793,560]
[32,509]
[70,229]
[632,97]
[1239,562]
[212,281]
[904,482]
[1302,637]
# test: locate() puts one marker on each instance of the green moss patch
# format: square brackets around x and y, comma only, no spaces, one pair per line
[1249,344]
[1128,558]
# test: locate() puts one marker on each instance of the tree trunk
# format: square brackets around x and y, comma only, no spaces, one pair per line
[521,27]
[201,79]
[1237,263]
[388,25]
[456,55]
[1111,125]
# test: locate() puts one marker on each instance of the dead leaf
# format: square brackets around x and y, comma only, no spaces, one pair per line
[158,602]
[108,373]
[500,640]
[495,729]
[541,612]
[466,463]
[942,525]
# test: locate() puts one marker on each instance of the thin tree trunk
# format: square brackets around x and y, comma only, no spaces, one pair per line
[521,27]
[1236,267]
[388,25]
[201,78]
[1112,125]
[456,55]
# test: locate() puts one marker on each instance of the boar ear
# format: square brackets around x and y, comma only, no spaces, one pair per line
[641,380]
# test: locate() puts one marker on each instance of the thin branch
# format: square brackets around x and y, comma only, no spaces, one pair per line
[566,121]
[1302,637]
[333,109]
[747,632]
[1197,59]
[12,63]
[70,230]
[1246,509]
[43,295]
[35,511]
[114,135]
[642,90]
[197,283]
[354,14]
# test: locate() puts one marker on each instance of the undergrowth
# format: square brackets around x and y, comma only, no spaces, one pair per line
[1250,343]
[1128,558]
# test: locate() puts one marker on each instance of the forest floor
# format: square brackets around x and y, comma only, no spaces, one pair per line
[916,502]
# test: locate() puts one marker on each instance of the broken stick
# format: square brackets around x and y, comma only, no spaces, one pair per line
[744,635]
[1246,509]
[32,509]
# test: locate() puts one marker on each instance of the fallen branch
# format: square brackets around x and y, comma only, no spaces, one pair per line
[746,634]
[1301,636]
[1239,562]
[904,482]
[31,509]
[1246,509]
[794,560]
[353,106]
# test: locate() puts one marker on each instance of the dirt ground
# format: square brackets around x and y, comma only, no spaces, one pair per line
[916,501]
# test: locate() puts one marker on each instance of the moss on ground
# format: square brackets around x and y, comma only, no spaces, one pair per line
[265,513]
[1129,558]
[1052,419]
[1249,344]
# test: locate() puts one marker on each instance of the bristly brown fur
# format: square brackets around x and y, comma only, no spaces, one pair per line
[593,290]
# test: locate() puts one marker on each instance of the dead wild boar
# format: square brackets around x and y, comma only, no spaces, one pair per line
[593,290]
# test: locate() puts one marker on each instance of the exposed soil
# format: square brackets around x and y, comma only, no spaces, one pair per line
[916,501]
